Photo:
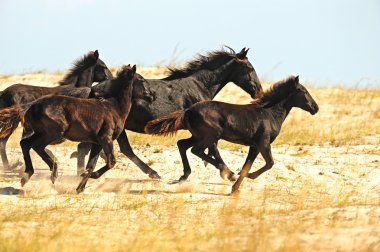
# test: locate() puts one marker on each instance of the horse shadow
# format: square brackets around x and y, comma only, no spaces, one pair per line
[9,190]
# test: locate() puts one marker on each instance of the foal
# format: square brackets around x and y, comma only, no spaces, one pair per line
[55,118]
[256,125]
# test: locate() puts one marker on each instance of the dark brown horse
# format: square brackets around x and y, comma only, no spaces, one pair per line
[256,125]
[84,73]
[200,80]
[54,118]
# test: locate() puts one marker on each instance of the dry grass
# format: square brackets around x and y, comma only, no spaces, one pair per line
[321,195]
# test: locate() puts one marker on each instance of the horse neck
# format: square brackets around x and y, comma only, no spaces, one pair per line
[124,100]
[215,80]
[281,110]
[85,78]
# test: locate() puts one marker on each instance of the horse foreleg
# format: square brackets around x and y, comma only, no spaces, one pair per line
[82,150]
[94,154]
[126,149]
[110,160]
[252,154]
[267,155]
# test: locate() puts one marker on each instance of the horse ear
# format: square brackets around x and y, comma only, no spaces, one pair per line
[134,69]
[96,54]
[297,79]
[242,54]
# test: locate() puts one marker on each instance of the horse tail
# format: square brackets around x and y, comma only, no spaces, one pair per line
[166,124]
[9,120]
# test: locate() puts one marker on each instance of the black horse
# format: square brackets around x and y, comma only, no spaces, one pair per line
[256,125]
[200,80]
[85,71]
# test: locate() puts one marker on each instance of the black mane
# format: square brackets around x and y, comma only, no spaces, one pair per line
[78,66]
[276,93]
[210,61]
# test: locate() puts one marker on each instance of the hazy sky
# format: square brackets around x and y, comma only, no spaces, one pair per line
[326,42]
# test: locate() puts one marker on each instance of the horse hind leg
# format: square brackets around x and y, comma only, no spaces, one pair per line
[183,146]
[3,153]
[126,149]
[39,146]
[26,144]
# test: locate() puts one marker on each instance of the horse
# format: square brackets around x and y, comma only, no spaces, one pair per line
[200,80]
[54,118]
[84,72]
[255,125]
[10,117]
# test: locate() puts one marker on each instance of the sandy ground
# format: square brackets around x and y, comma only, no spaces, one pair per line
[323,197]
[334,193]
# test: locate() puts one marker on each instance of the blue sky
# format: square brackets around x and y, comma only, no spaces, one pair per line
[326,42]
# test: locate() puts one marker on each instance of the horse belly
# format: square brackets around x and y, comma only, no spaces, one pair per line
[78,133]
[82,130]
[244,134]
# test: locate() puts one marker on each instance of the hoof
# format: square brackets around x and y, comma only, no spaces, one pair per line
[81,186]
[54,175]
[234,192]
[252,175]
[183,178]
[233,177]
[84,174]
[24,179]
[80,172]
[235,189]
[205,163]
[80,189]
[154,175]
[227,174]
[53,178]
[74,155]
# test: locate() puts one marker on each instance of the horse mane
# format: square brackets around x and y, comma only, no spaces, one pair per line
[275,93]
[211,61]
[78,66]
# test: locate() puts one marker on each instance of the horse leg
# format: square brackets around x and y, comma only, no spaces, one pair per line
[39,144]
[110,160]
[183,146]
[210,153]
[252,154]
[3,153]
[267,155]
[105,143]
[40,150]
[126,149]
[35,141]
[82,150]
[94,154]
[26,145]
[225,172]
